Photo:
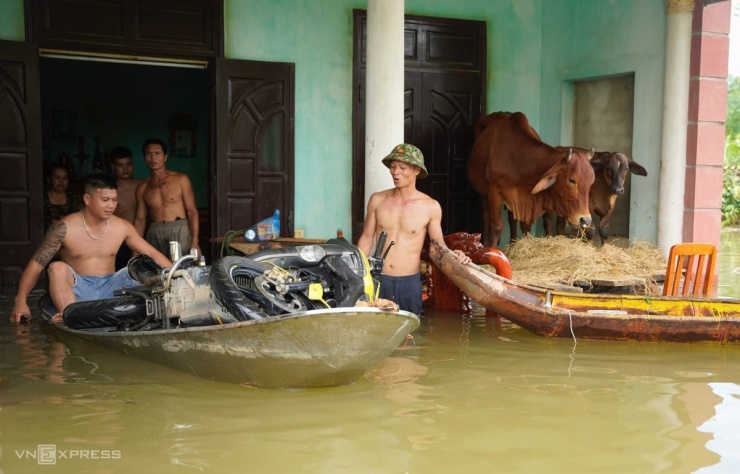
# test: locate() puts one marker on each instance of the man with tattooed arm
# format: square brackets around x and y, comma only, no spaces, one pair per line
[87,242]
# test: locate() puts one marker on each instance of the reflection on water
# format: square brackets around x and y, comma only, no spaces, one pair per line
[466,393]
[723,425]
[729,264]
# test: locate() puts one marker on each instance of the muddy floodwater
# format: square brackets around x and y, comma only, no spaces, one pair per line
[466,394]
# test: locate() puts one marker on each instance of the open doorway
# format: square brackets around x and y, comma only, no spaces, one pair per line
[124,103]
[603,120]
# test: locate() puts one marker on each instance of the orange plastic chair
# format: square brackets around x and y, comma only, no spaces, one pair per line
[698,261]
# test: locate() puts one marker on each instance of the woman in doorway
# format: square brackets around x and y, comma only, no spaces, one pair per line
[58,200]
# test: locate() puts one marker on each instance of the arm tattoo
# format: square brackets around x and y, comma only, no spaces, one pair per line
[51,244]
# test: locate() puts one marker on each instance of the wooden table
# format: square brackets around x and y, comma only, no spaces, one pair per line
[247,247]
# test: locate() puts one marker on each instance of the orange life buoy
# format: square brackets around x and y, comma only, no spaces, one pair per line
[494,257]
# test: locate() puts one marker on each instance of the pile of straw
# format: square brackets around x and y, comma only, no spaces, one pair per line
[565,260]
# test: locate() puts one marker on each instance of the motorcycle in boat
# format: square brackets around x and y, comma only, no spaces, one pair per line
[295,317]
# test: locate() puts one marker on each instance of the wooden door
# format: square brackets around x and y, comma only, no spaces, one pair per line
[450,106]
[253,167]
[445,72]
[21,182]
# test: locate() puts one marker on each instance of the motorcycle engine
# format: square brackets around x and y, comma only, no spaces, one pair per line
[189,294]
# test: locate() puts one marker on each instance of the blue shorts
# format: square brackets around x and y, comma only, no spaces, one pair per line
[405,291]
[88,288]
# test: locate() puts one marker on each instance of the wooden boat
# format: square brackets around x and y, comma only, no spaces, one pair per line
[317,348]
[594,316]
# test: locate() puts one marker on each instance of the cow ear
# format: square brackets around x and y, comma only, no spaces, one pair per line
[551,175]
[636,168]
[544,183]
[597,161]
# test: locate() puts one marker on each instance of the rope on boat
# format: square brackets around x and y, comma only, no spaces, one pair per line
[570,318]
[575,342]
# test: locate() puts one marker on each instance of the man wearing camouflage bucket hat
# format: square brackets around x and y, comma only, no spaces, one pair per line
[407,215]
[408,154]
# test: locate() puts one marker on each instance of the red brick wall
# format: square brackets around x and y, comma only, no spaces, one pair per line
[706,130]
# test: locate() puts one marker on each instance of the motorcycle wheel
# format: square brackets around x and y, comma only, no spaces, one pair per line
[226,290]
[105,313]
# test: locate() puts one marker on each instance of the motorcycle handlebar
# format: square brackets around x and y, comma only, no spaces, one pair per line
[379,247]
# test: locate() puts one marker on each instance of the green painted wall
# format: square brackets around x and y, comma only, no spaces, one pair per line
[535,48]
[317,37]
[588,39]
[12,20]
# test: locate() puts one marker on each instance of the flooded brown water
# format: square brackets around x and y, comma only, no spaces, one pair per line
[469,395]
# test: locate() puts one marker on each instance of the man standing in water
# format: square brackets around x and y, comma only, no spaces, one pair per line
[167,200]
[123,167]
[87,242]
[407,216]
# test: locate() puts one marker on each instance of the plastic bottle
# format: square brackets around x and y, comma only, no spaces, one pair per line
[266,229]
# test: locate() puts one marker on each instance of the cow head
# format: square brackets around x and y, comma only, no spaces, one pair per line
[569,182]
[613,168]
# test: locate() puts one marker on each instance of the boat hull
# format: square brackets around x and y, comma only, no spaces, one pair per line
[320,348]
[594,316]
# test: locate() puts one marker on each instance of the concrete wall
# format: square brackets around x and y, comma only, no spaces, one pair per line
[603,114]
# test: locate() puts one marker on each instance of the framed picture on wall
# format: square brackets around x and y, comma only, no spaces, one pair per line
[183,139]
[65,125]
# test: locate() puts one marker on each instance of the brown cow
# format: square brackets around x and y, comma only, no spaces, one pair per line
[611,171]
[510,165]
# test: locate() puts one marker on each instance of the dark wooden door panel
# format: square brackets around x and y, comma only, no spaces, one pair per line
[170,27]
[451,106]
[413,108]
[254,162]
[454,46]
[21,187]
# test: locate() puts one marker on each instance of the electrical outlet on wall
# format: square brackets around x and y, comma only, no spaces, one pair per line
[298,234]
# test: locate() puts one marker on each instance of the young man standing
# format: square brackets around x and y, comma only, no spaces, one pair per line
[167,200]
[407,216]
[123,167]
[87,242]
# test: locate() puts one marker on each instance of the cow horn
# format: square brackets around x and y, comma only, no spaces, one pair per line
[569,156]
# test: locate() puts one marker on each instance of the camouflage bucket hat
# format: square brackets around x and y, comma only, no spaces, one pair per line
[408,154]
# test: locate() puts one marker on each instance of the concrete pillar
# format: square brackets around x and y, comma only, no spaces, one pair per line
[675,120]
[705,153]
[385,87]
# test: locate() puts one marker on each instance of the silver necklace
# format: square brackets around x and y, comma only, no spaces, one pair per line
[84,222]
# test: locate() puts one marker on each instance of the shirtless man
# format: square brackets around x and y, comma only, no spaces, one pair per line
[407,216]
[123,166]
[167,199]
[87,242]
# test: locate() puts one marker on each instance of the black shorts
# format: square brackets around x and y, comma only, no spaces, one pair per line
[405,291]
